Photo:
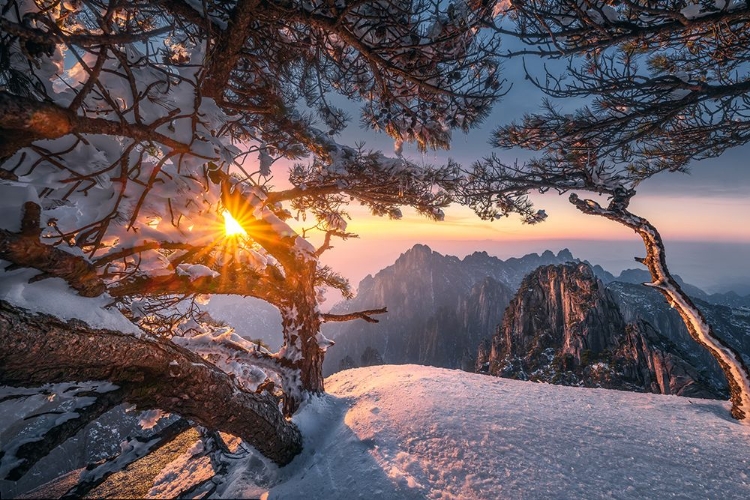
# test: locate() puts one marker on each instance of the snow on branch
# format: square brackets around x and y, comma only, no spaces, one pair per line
[25,249]
[244,360]
[32,120]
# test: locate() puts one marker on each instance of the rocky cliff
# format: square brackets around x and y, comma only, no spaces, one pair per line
[563,326]
[641,303]
[439,308]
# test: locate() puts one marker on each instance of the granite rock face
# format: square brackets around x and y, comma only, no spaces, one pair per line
[565,327]
[653,362]
[563,307]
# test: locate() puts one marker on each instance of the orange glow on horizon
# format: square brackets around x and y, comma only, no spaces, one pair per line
[231,226]
[565,222]
[678,218]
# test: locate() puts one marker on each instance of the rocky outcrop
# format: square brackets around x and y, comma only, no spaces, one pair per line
[582,326]
[439,307]
[563,326]
[642,303]
[647,359]
[558,306]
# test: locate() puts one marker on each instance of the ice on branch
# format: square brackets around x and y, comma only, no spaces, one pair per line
[196,271]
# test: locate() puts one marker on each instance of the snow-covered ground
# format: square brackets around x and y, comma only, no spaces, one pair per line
[419,432]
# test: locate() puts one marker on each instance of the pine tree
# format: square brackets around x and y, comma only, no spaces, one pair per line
[136,128]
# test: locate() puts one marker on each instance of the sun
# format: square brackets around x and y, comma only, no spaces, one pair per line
[231,226]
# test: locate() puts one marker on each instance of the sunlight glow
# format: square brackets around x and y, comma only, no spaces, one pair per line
[231,226]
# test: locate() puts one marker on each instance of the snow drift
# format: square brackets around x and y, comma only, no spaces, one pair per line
[419,432]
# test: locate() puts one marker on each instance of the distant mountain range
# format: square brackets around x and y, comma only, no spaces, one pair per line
[639,276]
[439,307]
[256,319]
[447,312]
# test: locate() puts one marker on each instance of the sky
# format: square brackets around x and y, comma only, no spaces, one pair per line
[704,219]
[703,216]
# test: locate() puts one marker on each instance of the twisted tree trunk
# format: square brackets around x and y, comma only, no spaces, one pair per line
[301,355]
[300,320]
[41,349]
[731,362]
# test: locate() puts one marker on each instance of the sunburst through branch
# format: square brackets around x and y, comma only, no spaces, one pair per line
[231,226]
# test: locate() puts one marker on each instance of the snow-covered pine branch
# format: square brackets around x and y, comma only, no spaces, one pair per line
[151,374]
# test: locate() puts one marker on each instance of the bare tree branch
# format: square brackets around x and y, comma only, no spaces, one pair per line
[365,315]
[700,330]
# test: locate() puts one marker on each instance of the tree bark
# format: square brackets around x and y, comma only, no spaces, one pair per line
[731,362]
[227,50]
[301,352]
[24,120]
[300,320]
[40,349]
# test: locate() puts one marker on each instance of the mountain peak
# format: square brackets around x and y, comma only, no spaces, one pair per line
[482,253]
[565,254]
[416,255]
[419,248]
[563,326]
